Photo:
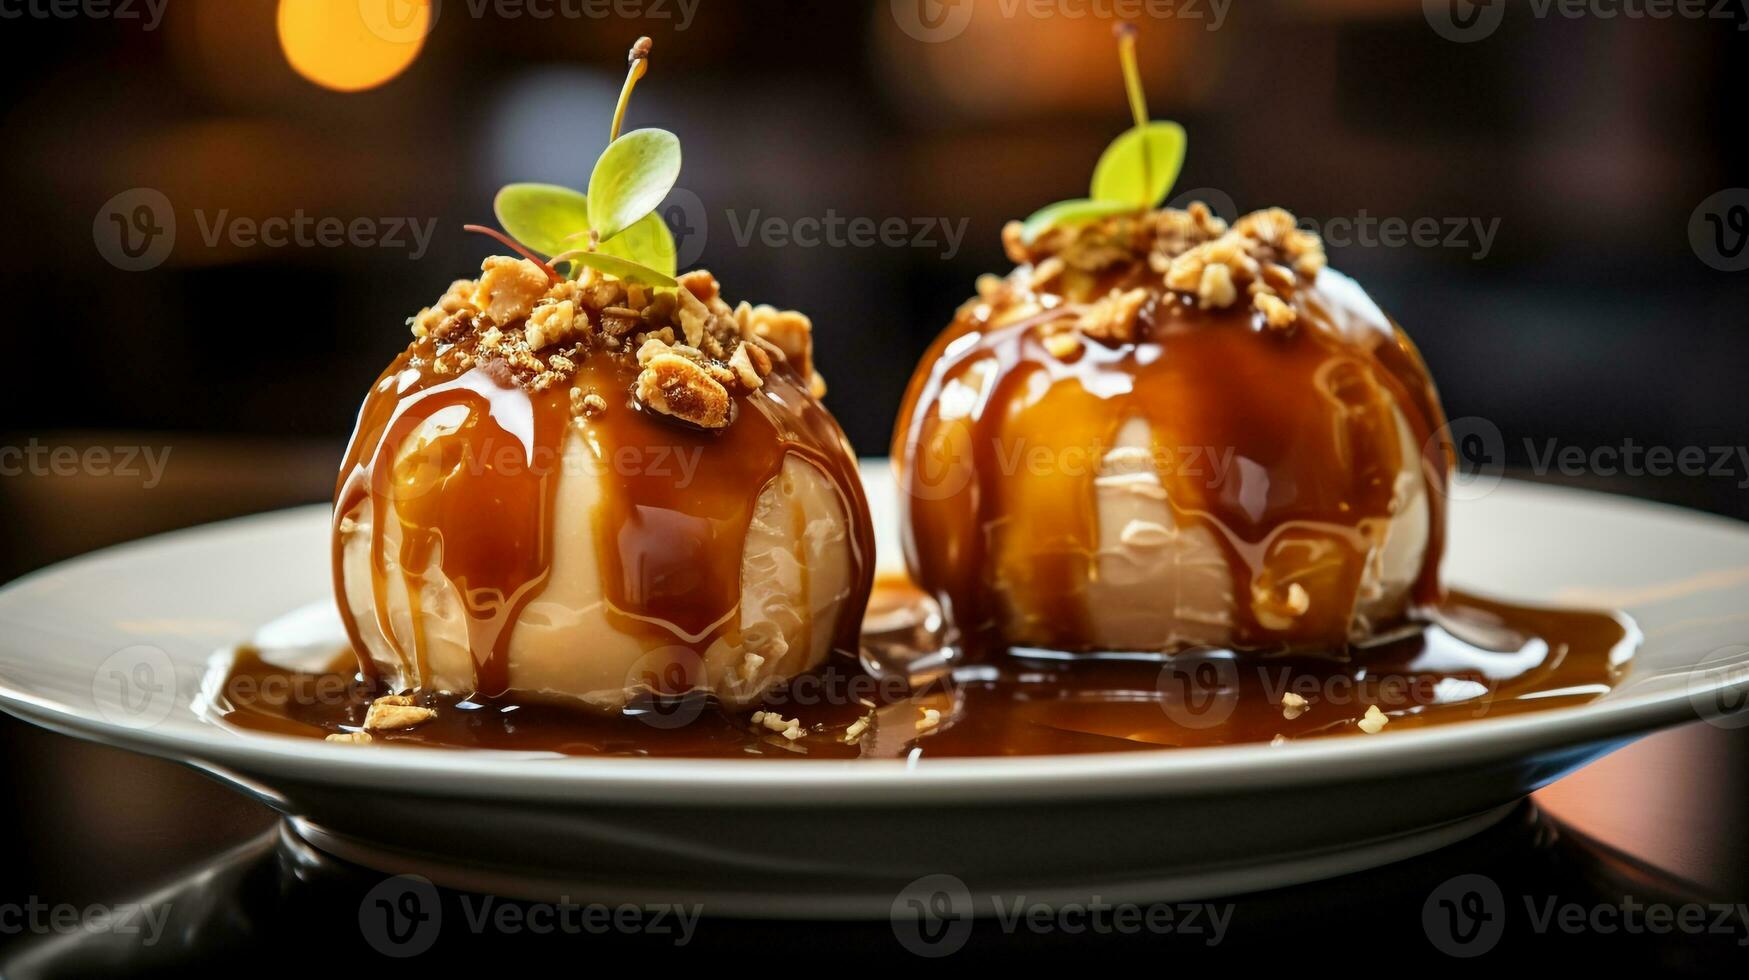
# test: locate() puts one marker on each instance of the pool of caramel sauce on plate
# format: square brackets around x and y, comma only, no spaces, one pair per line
[1475,659]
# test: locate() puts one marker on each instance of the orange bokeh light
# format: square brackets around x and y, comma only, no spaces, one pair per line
[352,45]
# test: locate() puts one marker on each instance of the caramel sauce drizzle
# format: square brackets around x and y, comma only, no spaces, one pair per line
[477,502]
[1306,412]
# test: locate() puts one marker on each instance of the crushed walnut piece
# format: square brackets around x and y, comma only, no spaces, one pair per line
[1375,720]
[789,728]
[1293,705]
[695,353]
[396,712]
[349,738]
[1263,259]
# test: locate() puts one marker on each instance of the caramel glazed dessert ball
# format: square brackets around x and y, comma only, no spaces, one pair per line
[590,489]
[1161,433]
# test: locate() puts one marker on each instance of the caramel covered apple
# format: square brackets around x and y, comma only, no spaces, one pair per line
[1161,432]
[602,483]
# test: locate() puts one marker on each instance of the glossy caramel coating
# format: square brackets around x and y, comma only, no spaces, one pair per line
[1004,426]
[477,499]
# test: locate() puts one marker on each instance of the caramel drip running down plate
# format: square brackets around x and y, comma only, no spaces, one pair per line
[116,647]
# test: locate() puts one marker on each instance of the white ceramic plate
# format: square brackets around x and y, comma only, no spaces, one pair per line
[114,646]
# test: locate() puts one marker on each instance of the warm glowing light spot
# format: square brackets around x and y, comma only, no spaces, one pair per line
[351,45]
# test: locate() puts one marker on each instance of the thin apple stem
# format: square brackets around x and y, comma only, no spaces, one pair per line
[639,60]
[1132,80]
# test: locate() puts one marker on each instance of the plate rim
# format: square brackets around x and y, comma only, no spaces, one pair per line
[1199,771]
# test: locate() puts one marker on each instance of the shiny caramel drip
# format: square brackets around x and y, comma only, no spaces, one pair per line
[1307,415]
[477,500]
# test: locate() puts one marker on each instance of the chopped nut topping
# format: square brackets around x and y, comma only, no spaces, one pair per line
[675,385]
[789,728]
[554,323]
[1216,289]
[930,720]
[1375,720]
[509,288]
[1265,256]
[1063,346]
[744,364]
[1275,312]
[349,738]
[853,734]
[542,332]
[1293,706]
[396,712]
[1114,316]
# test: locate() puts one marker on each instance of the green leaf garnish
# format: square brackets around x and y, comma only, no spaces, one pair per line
[545,217]
[1140,167]
[647,242]
[619,268]
[631,179]
[614,228]
[1137,170]
[1069,213]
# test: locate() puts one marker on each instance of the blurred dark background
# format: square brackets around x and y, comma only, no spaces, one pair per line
[1555,167]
